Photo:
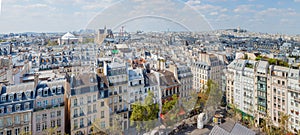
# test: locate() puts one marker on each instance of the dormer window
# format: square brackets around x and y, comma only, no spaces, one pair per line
[53,90]
[9,108]
[46,91]
[40,92]
[27,105]
[28,95]
[19,96]
[3,98]
[18,107]
[59,89]
[11,97]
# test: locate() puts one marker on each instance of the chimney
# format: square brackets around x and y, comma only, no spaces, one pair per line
[36,79]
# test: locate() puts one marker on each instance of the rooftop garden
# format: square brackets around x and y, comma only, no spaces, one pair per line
[272,61]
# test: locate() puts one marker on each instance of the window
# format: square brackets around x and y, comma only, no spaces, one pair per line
[58,113]
[17,119]
[3,98]
[53,90]
[120,89]
[26,105]
[11,97]
[52,114]
[81,123]
[38,118]
[19,96]
[103,124]
[81,112]
[44,126]
[8,121]
[94,108]
[26,117]
[8,132]
[53,123]
[44,116]
[89,109]
[81,101]
[59,100]
[102,114]
[102,103]
[9,108]
[75,112]
[59,89]
[28,94]
[45,91]
[89,99]
[75,102]
[40,92]
[26,129]
[94,98]
[39,104]
[17,107]
[53,102]
[45,102]
[17,131]
[58,122]
[58,132]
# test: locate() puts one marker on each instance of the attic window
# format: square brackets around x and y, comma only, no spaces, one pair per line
[27,94]
[46,91]
[11,97]
[18,107]
[53,90]
[9,108]
[3,98]
[19,96]
[59,89]
[40,92]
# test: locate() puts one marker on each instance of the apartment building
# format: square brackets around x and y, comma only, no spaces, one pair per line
[293,99]
[16,108]
[136,85]
[184,75]
[277,92]
[49,109]
[262,90]
[206,67]
[118,88]
[84,104]
[240,85]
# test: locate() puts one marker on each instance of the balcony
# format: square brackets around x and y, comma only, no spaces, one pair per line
[48,107]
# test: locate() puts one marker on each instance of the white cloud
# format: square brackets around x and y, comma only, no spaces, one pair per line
[214,13]
[244,9]
[296,0]
[193,2]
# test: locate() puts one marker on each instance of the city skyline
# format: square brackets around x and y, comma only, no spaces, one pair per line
[61,16]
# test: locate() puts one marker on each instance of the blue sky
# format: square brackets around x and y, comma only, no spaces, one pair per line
[272,16]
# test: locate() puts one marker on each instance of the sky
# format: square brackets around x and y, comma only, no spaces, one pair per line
[267,16]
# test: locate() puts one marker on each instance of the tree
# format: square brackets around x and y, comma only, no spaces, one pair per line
[144,115]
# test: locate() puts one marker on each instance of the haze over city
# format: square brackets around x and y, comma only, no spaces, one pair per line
[268,16]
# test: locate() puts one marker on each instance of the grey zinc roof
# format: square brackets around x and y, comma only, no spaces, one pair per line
[218,131]
[239,129]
